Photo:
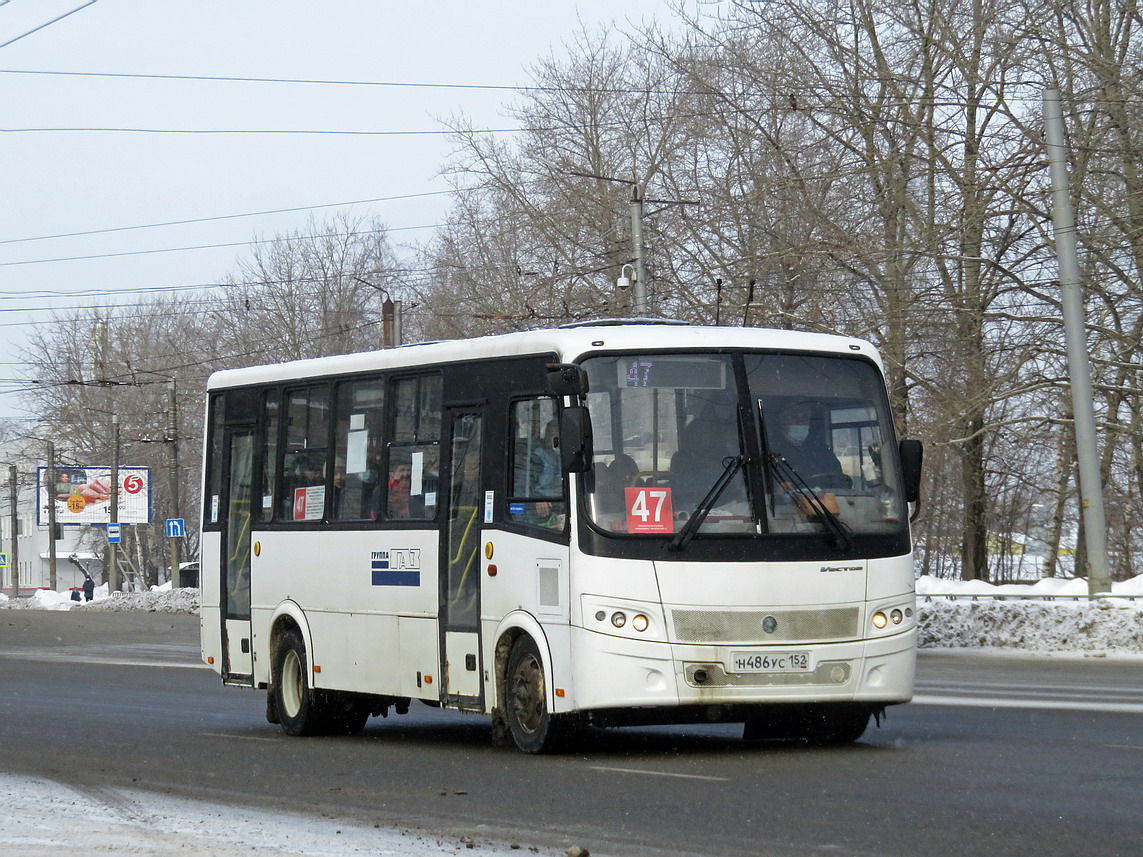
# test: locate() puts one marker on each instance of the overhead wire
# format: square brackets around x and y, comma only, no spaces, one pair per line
[47,24]
[283,238]
[215,218]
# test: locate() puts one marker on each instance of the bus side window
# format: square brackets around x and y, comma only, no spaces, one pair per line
[213,493]
[357,456]
[414,452]
[303,475]
[273,410]
[537,480]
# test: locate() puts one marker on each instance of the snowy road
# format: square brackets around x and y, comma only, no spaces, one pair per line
[44,817]
[98,754]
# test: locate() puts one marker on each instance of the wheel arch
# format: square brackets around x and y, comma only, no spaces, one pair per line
[511,628]
[288,615]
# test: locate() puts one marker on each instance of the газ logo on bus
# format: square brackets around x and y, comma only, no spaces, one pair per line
[396,567]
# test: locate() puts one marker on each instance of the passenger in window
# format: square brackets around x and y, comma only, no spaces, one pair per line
[399,482]
[611,483]
[547,514]
[547,474]
[312,471]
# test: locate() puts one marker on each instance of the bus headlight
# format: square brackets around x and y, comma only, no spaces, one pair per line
[618,619]
[895,617]
[640,622]
[880,620]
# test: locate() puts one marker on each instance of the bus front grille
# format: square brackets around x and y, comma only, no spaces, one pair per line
[761,627]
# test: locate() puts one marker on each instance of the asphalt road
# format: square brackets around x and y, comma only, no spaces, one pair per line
[1000,756]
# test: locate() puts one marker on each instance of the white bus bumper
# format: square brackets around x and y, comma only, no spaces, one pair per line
[614,672]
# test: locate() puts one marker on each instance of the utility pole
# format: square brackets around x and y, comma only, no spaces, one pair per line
[642,305]
[173,440]
[1079,371]
[50,493]
[113,583]
[14,556]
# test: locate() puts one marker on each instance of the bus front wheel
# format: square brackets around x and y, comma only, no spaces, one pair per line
[298,707]
[534,728]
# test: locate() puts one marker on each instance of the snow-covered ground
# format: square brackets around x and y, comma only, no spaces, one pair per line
[45,818]
[1046,619]
[161,599]
[1051,615]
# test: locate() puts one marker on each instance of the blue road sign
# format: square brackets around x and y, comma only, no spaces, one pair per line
[176,528]
[3,560]
[113,537]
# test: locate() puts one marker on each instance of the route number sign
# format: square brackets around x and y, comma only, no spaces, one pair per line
[649,510]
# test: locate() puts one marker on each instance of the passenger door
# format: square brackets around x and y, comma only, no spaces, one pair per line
[236,518]
[465,509]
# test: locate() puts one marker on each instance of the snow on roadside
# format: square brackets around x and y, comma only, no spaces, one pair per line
[1104,626]
[45,817]
[977,616]
[161,599]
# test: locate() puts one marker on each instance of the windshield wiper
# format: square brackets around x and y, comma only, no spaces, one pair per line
[794,485]
[730,465]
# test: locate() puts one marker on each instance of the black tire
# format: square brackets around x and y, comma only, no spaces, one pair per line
[346,714]
[818,724]
[837,725]
[533,727]
[300,709]
[774,723]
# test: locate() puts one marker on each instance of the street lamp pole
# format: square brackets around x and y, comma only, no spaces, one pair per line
[173,464]
[642,304]
[1079,370]
[50,494]
[112,547]
[14,554]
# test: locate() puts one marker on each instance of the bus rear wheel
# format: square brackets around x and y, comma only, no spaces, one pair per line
[299,707]
[533,727]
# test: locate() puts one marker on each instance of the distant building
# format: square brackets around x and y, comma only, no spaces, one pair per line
[33,541]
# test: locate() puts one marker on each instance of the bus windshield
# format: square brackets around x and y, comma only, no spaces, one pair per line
[800,445]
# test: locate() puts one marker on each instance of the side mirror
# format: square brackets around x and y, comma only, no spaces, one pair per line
[567,379]
[912,454]
[576,447]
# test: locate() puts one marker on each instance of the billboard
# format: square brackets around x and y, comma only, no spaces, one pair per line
[82,495]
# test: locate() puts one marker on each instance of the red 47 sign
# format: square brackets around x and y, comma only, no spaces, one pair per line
[649,510]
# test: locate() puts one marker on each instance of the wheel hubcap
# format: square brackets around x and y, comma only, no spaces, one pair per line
[528,699]
[292,683]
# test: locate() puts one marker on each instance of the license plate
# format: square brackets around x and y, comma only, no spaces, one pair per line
[769,662]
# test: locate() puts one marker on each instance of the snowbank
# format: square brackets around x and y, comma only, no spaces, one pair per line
[1042,620]
[1105,626]
[156,601]
[161,599]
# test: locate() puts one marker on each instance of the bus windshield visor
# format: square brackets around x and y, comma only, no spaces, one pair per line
[804,448]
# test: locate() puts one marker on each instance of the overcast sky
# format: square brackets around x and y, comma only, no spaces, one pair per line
[54,182]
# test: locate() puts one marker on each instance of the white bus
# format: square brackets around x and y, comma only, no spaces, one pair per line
[606,524]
